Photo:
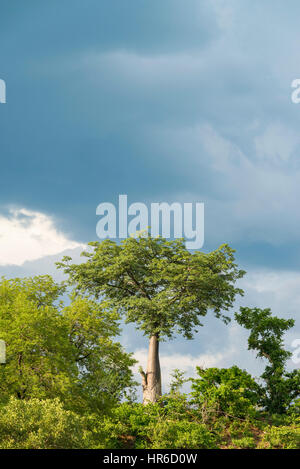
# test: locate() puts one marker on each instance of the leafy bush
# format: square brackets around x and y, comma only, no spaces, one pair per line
[247,442]
[37,424]
[136,416]
[108,433]
[181,435]
[285,437]
[153,426]
[156,426]
[132,421]
[229,391]
[45,424]
[294,410]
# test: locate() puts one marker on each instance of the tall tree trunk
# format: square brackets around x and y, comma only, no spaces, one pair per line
[151,380]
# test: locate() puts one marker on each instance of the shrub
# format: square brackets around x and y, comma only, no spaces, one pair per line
[285,437]
[37,424]
[125,427]
[244,443]
[230,391]
[152,426]
[181,435]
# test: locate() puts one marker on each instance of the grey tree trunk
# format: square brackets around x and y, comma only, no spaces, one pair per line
[151,380]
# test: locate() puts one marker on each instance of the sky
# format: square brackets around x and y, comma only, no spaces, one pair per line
[162,101]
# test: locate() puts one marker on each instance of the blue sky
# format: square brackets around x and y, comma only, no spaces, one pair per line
[163,101]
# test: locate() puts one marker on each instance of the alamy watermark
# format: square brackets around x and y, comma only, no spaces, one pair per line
[295,96]
[174,220]
[2,92]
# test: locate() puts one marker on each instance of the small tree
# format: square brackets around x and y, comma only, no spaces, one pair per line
[178,380]
[60,351]
[228,391]
[266,332]
[160,286]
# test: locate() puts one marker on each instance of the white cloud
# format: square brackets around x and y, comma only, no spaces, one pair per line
[276,144]
[184,362]
[225,13]
[27,235]
[278,290]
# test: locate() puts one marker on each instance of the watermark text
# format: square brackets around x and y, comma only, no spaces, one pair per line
[296,93]
[167,220]
[2,91]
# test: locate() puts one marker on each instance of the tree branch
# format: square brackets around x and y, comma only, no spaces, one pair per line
[144,377]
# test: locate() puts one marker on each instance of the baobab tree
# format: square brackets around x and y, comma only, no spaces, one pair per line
[160,286]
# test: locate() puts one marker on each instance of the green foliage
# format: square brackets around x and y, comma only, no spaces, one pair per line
[65,375]
[37,424]
[154,426]
[177,406]
[294,409]
[158,284]
[266,333]
[285,437]
[177,381]
[229,391]
[266,337]
[60,351]
[127,425]
[178,424]
[248,442]
[181,435]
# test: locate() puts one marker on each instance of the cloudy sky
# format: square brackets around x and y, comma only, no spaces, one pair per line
[163,101]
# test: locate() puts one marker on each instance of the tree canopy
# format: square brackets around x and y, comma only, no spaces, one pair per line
[158,284]
[60,351]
